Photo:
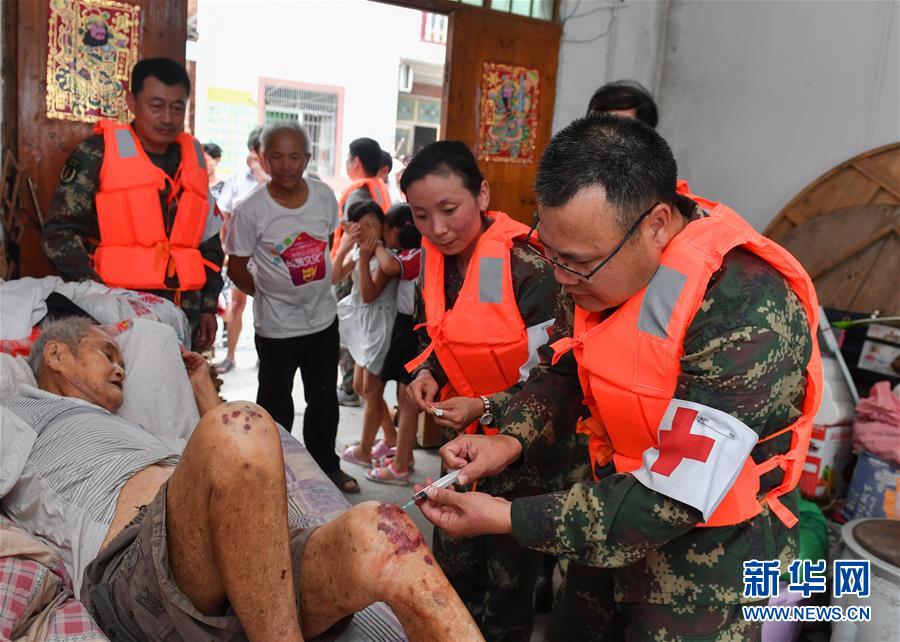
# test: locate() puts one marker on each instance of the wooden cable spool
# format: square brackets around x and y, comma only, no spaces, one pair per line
[871,178]
[844,228]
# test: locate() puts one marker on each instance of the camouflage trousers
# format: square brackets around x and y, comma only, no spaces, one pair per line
[586,611]
[495,578]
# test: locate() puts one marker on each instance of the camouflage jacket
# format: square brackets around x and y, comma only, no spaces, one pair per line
[745,353]
[71,231]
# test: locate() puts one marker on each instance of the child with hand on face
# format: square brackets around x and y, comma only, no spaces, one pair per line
[400,257]
[366,320]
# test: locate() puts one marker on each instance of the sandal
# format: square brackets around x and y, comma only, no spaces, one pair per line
[381,449]
[387,475]
[224,366]
[349,454]
[389,461]
[344,481]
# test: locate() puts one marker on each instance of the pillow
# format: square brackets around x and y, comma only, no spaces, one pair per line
[13,371]
[16,440]
[158,394]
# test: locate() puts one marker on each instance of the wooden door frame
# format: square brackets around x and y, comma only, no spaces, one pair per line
[449,7]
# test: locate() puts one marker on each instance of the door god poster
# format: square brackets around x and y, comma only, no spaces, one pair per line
[508,113]
[93,44]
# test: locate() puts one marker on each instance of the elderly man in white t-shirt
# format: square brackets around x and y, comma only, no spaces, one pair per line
[284,227]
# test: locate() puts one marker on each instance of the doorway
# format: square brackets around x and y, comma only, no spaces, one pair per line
[378,75]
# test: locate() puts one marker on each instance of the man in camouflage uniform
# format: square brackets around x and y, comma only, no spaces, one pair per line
[488,572]
[71,232]
[640,567]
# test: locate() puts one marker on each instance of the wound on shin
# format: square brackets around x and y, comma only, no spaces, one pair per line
[404,536]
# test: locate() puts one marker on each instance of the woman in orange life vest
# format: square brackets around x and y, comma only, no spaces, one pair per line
[484,305]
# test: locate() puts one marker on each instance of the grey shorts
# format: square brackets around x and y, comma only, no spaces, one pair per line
[130,591]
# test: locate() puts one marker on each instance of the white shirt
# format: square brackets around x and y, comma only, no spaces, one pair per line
[81,458]
[237,187]
[290,264]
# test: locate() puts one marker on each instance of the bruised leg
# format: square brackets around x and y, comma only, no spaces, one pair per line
[226,522]
[372,553]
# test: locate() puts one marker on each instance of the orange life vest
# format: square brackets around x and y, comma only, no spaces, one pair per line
[481,342]
[629,362]
[135,250]
[380,194]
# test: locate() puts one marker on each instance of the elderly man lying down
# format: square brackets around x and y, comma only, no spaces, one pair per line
[197,545]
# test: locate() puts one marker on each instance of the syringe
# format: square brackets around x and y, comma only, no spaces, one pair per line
[447,480]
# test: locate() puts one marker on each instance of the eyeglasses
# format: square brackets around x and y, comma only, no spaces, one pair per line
[584,275]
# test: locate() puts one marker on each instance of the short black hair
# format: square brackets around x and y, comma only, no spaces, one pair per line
[625,94]
[360,208]
[399,216]
[444,157]
[165,70]
[386,161]
[627,158]
[212,150]
[254,140]
[368,152]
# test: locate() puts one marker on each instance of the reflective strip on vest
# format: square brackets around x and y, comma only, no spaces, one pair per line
[490,281]
[125,144]
[659,301]
[201,158]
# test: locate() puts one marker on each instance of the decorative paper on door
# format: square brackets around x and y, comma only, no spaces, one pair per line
[93,44]
[508,113]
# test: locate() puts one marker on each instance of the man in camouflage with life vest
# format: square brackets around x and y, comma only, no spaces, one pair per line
[687,347]
[133,209]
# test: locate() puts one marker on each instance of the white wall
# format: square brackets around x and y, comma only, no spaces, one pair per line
[756,98]
[760,98]
[354,44]
[605,40]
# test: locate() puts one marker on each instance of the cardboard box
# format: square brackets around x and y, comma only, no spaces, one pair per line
[873,490]
[428,435]
[826,472]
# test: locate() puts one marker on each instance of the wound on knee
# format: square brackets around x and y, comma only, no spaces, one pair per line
[404,536]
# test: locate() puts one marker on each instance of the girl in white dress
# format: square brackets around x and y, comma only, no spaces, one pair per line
[366,319]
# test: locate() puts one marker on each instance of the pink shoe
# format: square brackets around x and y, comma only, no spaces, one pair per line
[381,449]
[349,454]
[389,461]
[387,475]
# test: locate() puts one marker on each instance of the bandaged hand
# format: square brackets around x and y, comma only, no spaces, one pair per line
[466,514]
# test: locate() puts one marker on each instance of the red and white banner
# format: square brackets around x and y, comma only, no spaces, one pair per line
[699,453]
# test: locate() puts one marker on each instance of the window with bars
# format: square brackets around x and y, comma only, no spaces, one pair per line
[539,9]
[434,28]
[317,111]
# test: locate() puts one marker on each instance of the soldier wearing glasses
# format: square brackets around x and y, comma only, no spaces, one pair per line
[687,347]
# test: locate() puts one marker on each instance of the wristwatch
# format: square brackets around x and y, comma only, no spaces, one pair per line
[487,419]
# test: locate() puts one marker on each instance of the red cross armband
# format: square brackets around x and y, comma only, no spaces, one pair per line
[698,457]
